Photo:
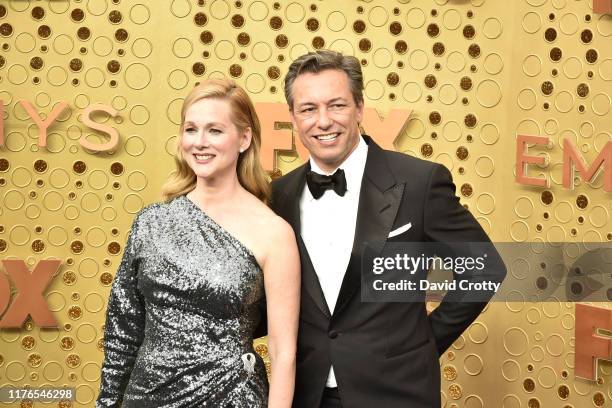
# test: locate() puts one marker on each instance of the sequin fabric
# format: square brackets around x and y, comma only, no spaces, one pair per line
[181,316]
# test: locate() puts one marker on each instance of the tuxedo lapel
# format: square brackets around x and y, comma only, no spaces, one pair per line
[290,211]
[379,201]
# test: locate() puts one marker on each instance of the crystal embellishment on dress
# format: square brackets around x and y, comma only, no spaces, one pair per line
[248,359]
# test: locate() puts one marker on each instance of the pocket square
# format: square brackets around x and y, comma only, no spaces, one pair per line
[400,230]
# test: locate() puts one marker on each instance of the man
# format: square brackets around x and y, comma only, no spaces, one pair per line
[353,353]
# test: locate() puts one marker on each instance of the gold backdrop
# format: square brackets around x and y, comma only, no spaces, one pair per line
[475,73]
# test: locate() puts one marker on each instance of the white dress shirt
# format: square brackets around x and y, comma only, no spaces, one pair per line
[328,228]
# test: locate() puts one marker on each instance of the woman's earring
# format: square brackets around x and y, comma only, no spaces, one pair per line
[241,150]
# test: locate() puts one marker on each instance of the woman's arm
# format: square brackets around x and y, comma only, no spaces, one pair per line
[282,285]
[124,328]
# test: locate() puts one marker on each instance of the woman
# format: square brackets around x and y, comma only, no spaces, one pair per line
[184,303]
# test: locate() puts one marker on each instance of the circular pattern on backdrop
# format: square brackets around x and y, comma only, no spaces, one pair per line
[412,92]
[343,46]
[492,28]
[473,364]
[336,21]
[258,10]
[378,16]
[415,18]
[447,94]
[102,46]
[418,60]
[601,104]
[219,9]
[139,114]
[84,394]
[142,48]
[564,101]
[569,24]
[137,76]
[455,61]
[224,50]
[15,371]
[572,67]
[511,370]
[53,201]
[182,47]
[91,372]
[255,83]
[134,146]
[451,19]
[493,63]
[531,22]
[57,75]
[478,333]
[173,112]
[137,180]
[374,89]
[262,51]
[484,166]
[295,12]
[488,93]
[95,237]
[178,79]
[382,58]
[532,65]
[25,42]
[139,14]
[180,8]
[133,203]
[515,341]
[57,235]
[93,303]
[527,99]
[415,128]
[519,231]
[452,131]
[90,202]
[109,214]
[94,77]
[88,268]
[605,69]
[52,371]
[17,74]
[15,141]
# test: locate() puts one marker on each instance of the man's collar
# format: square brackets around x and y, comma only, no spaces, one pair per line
[353,166]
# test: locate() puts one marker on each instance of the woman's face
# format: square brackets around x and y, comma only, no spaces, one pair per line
[210,141]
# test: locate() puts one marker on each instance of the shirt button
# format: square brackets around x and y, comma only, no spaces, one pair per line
[332,334]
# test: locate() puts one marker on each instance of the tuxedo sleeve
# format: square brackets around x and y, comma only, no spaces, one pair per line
[446,220]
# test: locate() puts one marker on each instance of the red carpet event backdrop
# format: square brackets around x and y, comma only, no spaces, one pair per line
[511,96]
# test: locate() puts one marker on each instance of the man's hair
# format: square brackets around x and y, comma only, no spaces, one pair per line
[322,60]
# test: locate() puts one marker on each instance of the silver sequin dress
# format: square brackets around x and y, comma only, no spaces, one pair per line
[181,316]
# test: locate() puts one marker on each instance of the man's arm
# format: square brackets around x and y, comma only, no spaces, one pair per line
[446,220]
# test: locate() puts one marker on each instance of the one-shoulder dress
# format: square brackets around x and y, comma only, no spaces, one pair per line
[181,315]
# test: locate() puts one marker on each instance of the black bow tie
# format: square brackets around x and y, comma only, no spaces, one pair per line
[318,183]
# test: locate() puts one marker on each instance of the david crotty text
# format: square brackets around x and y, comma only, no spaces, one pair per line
[424,284]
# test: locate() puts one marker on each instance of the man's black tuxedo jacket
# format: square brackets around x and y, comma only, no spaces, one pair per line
[384,354]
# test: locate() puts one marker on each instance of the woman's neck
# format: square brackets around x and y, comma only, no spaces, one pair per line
[213,193]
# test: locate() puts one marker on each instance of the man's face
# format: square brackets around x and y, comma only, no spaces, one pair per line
[326,117]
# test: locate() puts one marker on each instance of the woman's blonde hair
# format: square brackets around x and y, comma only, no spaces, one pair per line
[251,174]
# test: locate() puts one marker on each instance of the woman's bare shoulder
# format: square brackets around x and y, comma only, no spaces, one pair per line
[268,223]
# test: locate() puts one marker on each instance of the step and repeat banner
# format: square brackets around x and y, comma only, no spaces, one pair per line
[512,97]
